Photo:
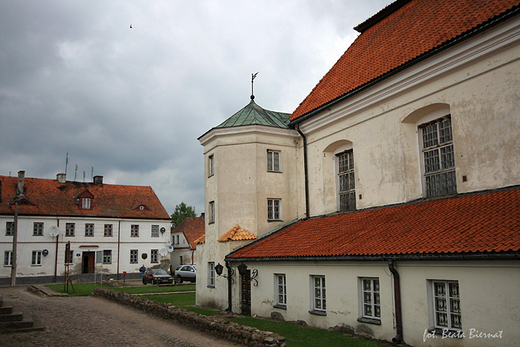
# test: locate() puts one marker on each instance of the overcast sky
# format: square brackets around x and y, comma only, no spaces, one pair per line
[131,102]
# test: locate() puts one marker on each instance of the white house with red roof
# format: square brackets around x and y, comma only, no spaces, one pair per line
[184,237]
[83,228]
[398,201]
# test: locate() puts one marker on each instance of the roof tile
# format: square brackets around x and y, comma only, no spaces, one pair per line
[404,35]
[237,234]
[479,222]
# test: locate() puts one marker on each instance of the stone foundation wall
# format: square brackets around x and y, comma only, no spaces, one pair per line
[210,325]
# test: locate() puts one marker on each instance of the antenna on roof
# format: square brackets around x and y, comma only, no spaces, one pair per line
[253,76]
[66,163]
[91,173]
[75,172]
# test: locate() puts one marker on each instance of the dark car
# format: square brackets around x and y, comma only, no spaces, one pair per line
[157,276]
[187,273]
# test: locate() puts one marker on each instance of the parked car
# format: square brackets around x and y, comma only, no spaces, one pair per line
[187,273]
[157,276]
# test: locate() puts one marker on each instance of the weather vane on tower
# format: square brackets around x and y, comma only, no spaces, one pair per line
[253,76]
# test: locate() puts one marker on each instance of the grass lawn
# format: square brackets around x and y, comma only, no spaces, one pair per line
[82,289]
[304,336]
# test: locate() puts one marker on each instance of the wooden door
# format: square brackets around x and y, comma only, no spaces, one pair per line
[88,262]
[246,293]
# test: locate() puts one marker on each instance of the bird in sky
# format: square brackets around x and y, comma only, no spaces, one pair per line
[130,26]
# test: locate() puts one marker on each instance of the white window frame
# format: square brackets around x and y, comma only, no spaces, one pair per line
[38,228]
[318,295]
[280,291]
[108,230]
[211,207]
[134,256]
[211,167]
[89,229]
[86,203]
[36,258]
[154,256]
[445,304]
[274,210]
[134,230]
[274,161]
[370,300]
[8,258]
[70,229]
[211,274]
[9,228]
[155,230]
[438,164]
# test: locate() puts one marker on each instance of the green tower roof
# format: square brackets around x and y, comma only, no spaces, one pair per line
[252,114]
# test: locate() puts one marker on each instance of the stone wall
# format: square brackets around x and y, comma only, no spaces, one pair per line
[210,325]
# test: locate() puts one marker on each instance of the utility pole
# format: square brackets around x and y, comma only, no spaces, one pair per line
[19,191]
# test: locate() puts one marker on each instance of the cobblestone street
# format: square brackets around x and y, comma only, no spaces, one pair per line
[92,321]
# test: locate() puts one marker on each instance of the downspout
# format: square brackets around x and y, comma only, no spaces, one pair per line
[56,260]
[118,247]
[229,271]
[305,168]
[397,293]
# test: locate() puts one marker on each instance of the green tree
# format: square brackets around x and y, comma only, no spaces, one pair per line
[182,211]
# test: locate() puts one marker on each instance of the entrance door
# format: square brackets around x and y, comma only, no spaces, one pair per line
[246,293]
[88,262]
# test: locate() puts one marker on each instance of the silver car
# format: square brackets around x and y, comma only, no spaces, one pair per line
[186,273]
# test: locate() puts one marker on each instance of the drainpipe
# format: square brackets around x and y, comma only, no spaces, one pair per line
[397,293]
[56,258]
[307,214]
[229,309]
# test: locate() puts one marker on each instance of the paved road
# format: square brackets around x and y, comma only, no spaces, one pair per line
[92,321]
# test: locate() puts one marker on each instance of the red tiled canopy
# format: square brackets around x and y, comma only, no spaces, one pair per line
[473,223]
[414,29]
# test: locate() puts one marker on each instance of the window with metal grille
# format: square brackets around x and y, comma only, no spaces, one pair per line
[70,229]
[107,256]
[134,230]
[319,300]
[155,231]
[154,256]
[108,230]
[446,305]
[371,298]
[89,229]
[9,228]
[274,209]
[280,291]
[273,161]
[438,157]
[133,256]
[38,229]
[346,181]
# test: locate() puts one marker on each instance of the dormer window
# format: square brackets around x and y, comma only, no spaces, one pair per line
[84,200]
[139,206]
[85,203]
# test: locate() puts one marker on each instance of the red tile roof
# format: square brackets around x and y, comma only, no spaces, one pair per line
[51,198]
[416,28]
[200,240]
[473,223]
[193,230]
[237,234]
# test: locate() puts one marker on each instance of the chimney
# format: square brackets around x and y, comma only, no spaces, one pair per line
[98,180]
[61,177]
[202,215]
[21,181]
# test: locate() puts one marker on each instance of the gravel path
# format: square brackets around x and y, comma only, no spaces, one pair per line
[92,321]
